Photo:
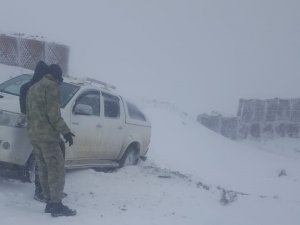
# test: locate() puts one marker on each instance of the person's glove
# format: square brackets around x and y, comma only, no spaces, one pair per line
[69,138]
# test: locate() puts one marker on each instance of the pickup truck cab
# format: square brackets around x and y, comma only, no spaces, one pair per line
[110,131]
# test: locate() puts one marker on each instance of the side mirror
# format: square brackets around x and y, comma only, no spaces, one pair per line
[82,109]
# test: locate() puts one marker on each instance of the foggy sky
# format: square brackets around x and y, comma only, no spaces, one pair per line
[199,55]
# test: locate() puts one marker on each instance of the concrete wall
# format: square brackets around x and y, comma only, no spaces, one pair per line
[18,50]
[257,118]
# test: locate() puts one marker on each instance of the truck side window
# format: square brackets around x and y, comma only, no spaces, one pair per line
[111,106]
[88,104]
[134,112]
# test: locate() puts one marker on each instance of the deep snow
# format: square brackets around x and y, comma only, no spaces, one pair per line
[192,176]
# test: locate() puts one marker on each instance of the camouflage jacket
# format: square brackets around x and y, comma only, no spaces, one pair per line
[43,111]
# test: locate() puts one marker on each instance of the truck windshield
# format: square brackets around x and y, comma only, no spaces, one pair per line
[13,85]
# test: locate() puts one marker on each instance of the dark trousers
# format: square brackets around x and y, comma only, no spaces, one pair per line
[38,187]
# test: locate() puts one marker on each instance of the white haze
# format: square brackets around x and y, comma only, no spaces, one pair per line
[201,55]
[192,176]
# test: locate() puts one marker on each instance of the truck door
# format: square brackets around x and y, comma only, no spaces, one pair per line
[113,126]
[86,124]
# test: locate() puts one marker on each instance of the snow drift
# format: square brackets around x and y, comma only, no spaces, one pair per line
[192,176]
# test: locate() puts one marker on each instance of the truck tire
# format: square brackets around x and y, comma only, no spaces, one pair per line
[130,157]
[27,172]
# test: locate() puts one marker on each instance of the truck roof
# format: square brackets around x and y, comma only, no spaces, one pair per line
[89,82]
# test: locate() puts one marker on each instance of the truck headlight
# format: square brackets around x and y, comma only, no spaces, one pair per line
[12,119]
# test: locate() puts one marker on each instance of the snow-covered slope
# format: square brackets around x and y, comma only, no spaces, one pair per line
[180,143]
[192,176]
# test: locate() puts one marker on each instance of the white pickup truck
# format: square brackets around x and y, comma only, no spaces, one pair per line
[110,131]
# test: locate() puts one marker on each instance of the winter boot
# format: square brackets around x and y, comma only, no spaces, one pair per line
[64,195]
[49,208]
[58,209]
[39,196]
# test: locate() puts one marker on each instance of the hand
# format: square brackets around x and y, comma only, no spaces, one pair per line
[69,138]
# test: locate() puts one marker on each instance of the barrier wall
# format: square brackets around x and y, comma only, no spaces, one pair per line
[257,118]
[18,50]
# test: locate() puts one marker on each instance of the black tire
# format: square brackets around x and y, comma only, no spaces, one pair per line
[130,157]
[27,172]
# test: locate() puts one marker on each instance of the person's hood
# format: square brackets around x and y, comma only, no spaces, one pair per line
[40,71]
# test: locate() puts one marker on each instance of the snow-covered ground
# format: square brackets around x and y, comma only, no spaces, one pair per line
[192,176]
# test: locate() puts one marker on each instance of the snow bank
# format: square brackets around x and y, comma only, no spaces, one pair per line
[180,143]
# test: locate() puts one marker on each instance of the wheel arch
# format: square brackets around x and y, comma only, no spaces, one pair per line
[132,145]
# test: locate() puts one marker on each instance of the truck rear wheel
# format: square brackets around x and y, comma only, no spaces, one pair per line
[130,157]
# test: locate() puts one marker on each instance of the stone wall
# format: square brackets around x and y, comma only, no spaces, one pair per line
[22,51]
[257,118]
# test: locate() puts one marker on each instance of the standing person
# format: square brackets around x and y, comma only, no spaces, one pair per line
[40,71]
[45,125]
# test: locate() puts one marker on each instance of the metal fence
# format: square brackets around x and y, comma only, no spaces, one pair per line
[26,52]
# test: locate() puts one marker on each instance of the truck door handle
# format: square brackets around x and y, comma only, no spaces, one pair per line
[75,123]
[99,126]
[120,127]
